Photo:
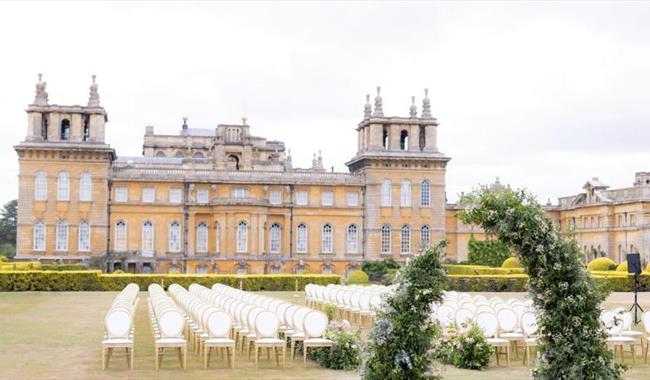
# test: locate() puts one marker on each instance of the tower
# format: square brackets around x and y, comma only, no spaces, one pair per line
[404,200]
[64,168]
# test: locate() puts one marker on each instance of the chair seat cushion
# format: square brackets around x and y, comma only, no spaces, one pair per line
[117,341]
[620,340]
[269,341]
[223,341]
[317,341]
[531,341]
[298,336]
[512,335]
[497,341]
[632,334]
[170,341]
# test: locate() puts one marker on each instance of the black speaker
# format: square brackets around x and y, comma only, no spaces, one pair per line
[634,263]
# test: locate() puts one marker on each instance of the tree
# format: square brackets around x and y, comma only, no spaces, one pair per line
[399,345]
[572,342]
[8,221]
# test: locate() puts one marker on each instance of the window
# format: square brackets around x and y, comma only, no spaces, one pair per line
[425,237]
[326,239]
[148,195]
[425,193]
[63,187]
[202,196]
[353,239]
[147,238]
[384,138]
[302,198]
[422,137]
[386,193]
[276,197]
[405,200]
[404,140]
[85,187]
[175,195]
[405,243]
[40,187]
[61,235]
[84,236]
[217,241]
[242,237]
[353,198]
[197,155]
[275,240]
[120,236]
[385,239]
[160,153]
[65,130]
[121,194]
[44,127]
[239,192]
[39,236]
[632,220]
[301,238]
[202,238]
[174,237]
[327,198]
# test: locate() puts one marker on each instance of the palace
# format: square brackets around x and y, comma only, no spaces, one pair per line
[221,200]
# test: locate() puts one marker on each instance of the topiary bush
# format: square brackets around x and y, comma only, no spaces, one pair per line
[358,277]
[622,267]
[400,342]
[470,349]
[378,270]
[488,252]
[345,354]
[572,343]
[512,262]
[601,263]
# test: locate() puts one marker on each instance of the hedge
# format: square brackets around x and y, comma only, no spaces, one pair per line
[602,263]
[96,281]
[473,270]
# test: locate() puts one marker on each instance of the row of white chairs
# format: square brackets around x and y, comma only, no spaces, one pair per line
[206,327]
[295,322]
[167,325]
[618,323]
[118,325]
[351,302]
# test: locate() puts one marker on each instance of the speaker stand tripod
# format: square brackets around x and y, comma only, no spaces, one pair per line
[636,305]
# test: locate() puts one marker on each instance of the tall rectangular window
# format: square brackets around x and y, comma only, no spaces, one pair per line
[85,187]
[63,186]
[425,237]
[302,198]
[242,237]
[40,187]
[121,194]
[202,196]
[202,238]
[405,200]
[327,243]
[386,189]
[174,237]
[217,241]
[148,195]
[425,193]
[175,195]
[61,235]
[385,239]
[39,236]
[353,239]
[327,198]
[301,238]
[405,243]
[84,236]
[353,198]
[275,197]
[275,238]
[147,239]
[120,236]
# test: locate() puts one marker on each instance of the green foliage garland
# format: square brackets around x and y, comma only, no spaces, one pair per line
[571,340]
[399,345]
[487,252]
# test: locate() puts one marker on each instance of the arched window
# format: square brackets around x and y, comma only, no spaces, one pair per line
[275,239]
[174,237]
[197,155]
[327,245]
[86,129]
[120,236]
[404,140]
[353,239]
[405,200]
[217,239]
[147,238]
[425,193]
[405,244]
[233,162]
[425,237]
[384,138]
[160,153]
[385,239]
[85,187]
[65,129]
[301,238]
[61,235]
[242,237]
[40,186]
[179,154]
[202,238]
[386,193]
[44,126]
[39,236]
[84,236]
[422,137]
[63,187]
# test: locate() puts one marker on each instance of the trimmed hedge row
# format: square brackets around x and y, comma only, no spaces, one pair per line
[96,281]
[476,270]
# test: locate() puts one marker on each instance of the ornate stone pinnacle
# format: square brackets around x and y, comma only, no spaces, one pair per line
[426,105]
[413,111]
[243,120]
[379,107]
[41,97]
[184,122]
[367,109]
[93,98]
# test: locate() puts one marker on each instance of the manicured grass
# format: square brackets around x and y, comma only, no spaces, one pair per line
[57,336]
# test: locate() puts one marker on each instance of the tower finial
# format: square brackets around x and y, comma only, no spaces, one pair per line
[243,120]
[367,109]
[413,111]
[426,105]
[41,97]
[379,107]
[184,122]
[93,98]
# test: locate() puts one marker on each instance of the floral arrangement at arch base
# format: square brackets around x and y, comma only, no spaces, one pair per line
[572,342]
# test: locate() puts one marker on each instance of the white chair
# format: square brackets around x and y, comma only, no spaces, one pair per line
[267,326]
[171,326]
[118,327]
[646,326]
[529,327]
[219,325]
[488,323]
[314,326]
[508,326]
[614,326]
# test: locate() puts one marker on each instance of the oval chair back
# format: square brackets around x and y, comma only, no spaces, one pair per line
[171,324]
[314,324]
[219,325]
[118,324]
[267,325]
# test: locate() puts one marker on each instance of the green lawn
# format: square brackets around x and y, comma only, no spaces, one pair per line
[57,336]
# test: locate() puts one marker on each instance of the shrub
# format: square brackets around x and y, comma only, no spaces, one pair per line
[3,259]
[345,354]
[487,252]
[358,277]
[329,310]
[622,267]
[511,262]
[378,270]
[602,263]
[471,350]
[480,270]
[118,271]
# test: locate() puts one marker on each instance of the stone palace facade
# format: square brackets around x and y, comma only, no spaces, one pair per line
[221,200]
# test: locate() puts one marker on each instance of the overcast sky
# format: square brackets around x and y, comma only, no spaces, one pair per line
[542,95]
